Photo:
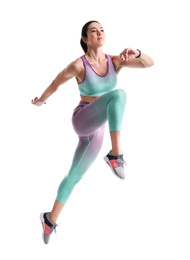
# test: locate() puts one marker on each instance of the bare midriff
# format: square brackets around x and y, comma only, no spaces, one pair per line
[88,99]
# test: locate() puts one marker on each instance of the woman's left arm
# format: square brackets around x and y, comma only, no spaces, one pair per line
[127,58]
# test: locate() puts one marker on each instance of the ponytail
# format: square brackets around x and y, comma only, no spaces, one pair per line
[84,45]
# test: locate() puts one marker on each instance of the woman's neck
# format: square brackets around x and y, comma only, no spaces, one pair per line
[95,54]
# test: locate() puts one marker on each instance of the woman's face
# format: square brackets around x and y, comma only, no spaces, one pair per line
[95,35]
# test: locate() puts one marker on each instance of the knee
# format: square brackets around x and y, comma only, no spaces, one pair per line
[121,95]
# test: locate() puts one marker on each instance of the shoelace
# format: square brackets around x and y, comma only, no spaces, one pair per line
[121,161]
[55,228]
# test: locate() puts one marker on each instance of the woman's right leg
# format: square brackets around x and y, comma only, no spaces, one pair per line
[108,107]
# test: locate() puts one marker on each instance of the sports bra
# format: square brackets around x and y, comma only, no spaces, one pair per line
[94,84]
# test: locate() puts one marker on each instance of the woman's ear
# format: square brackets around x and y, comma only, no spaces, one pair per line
[84,39]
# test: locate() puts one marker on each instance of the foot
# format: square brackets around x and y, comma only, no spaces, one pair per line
[47,226]
[116,164]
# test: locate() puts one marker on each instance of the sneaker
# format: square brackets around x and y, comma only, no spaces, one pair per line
[117,164]
[47,226]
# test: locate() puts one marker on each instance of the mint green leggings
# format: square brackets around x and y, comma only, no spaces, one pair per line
[89,123]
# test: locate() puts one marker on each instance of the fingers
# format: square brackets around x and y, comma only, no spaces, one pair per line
[124,55]
[33,101]
[128,54]
[37,102]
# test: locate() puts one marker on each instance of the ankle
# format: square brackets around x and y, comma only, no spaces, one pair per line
[115,152]
[52,218]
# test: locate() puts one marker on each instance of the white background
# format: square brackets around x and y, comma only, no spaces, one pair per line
[147,215]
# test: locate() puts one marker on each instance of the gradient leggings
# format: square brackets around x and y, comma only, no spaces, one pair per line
[89,123]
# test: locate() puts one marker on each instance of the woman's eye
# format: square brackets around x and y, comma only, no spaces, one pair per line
[95,31]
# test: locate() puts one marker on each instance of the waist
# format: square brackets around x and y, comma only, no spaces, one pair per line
[88,99]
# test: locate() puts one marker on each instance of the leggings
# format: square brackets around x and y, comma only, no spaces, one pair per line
[89,123]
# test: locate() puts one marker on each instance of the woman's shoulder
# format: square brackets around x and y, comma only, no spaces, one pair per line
[115,57]
[76,68]
[116,61]
[77,64]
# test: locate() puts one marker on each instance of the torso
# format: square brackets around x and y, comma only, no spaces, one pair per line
[100,68]
[88,99]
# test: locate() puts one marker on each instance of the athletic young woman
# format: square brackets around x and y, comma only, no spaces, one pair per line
[96,75]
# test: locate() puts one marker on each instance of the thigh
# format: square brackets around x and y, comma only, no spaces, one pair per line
[92,116]
[85,154]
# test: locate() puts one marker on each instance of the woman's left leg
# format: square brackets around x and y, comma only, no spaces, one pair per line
[85,154]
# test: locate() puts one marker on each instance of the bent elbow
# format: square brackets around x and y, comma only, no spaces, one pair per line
[149,64]
[152,63]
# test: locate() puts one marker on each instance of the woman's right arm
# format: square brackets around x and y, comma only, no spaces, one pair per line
[72,70]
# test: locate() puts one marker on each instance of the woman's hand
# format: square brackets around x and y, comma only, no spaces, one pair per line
[37,102]
[128,54]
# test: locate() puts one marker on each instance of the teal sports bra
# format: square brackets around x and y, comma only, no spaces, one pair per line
[94,84]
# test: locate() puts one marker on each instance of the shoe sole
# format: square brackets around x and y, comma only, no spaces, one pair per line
[43,225]
[42,221]
[106,159]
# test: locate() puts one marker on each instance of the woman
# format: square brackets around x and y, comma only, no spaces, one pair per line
[96,75]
